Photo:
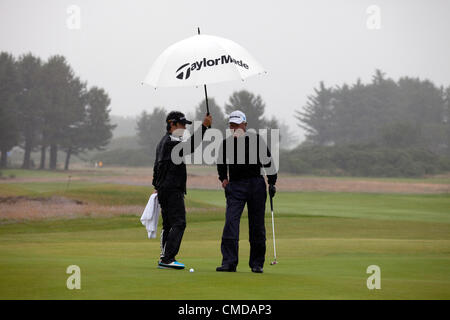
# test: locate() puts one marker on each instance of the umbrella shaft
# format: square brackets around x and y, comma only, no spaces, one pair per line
[206,99]
[204,86]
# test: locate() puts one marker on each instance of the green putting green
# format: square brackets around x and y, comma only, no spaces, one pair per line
[325,242]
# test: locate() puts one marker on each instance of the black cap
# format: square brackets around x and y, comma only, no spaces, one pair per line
[177,116]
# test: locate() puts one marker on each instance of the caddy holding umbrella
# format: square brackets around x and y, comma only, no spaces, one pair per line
[198,61]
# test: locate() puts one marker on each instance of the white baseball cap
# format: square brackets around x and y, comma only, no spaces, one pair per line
[237,117]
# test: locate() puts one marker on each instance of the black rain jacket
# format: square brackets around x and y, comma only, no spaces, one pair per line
[166,174]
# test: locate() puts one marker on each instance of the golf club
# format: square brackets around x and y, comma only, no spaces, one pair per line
[273,235]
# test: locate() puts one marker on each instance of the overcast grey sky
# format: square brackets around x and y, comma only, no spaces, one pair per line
[298,42]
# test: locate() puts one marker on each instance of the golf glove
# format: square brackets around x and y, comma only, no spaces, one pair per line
[272,190]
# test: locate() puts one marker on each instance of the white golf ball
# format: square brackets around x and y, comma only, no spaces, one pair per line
[191,270]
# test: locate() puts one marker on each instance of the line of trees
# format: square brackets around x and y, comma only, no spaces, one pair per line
[397,114]
[45,106]
[151,126]
[383,128]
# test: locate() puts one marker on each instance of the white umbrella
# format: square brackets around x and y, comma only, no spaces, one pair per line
[201,60]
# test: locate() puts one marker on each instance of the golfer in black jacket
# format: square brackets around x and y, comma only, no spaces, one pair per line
[169,180]
[243,183]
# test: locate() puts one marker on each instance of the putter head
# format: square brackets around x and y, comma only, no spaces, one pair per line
[273,262]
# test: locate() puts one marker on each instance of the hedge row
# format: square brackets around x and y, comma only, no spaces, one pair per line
[360,160]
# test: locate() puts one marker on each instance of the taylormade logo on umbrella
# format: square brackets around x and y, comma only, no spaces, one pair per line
[184,72]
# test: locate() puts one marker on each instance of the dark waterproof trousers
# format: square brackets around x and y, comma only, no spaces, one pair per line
[173,214]
[253,192]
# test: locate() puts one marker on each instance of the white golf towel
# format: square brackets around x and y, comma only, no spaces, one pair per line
[150,216]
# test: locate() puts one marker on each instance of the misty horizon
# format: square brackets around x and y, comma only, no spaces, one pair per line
[299,45]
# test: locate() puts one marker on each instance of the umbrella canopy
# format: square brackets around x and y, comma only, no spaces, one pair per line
[202,59]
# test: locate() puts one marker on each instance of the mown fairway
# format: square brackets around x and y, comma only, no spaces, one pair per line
[325,242]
